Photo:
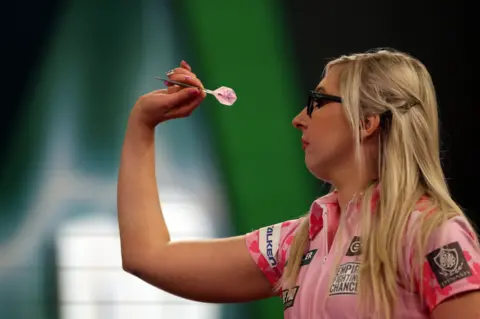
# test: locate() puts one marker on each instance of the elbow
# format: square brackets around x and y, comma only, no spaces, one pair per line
[129,265]
[131,256]
[136,269]
[141,268]
[140,261]
[133,263]
[137,263]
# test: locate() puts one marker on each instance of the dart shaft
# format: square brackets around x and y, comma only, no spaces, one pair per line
[185,85]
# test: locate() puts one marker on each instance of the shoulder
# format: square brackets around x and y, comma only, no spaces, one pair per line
[450,261]
[440,228]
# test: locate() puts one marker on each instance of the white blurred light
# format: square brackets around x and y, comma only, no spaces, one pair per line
[92,284]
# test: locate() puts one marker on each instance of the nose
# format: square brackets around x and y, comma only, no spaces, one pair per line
[299,121]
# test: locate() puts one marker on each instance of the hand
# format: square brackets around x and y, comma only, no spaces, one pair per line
[171,103]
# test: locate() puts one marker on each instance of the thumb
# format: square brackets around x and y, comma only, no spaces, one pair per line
[181,97]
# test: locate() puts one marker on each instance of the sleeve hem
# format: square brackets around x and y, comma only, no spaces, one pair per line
[442,298]
[272,277]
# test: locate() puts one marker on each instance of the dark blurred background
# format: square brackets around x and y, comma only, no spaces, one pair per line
[72,71]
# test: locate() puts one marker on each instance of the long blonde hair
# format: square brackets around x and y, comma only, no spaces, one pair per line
[399,88]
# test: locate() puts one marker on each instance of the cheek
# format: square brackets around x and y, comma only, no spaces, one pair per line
[330,137]
[332,141]
[331,129]
[329,150]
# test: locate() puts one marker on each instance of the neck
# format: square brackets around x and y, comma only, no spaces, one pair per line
[354,177]
[352,185]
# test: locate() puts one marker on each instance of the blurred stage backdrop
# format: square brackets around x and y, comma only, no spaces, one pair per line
[74,68]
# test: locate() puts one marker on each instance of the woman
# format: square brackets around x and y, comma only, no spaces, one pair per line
[388,242]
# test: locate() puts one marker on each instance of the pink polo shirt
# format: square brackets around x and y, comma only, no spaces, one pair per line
[452,264]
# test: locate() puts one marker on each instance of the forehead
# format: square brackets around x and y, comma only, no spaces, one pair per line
[330,82]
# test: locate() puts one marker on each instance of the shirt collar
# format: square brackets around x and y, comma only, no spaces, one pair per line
[324,204]
[329,204]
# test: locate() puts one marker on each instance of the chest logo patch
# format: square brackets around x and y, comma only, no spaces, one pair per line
[288,297]
[346,279]
[354,247]
[308,257]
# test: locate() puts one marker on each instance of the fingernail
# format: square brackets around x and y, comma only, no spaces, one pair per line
[187,77]
[194,92]
[186,64]
[166,83]
[170,72]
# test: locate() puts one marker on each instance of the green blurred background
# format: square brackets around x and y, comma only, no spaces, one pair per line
[73,70]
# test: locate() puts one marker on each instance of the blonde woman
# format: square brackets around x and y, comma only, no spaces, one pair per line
[387,242]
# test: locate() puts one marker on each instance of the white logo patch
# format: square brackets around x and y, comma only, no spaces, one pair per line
[346,279]
[269,240]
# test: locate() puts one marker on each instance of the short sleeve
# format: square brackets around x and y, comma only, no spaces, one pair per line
[452,263]
[269,246]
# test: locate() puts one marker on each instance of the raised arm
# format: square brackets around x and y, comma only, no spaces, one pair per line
[219,270]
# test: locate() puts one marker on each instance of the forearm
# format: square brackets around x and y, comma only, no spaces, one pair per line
[142,226]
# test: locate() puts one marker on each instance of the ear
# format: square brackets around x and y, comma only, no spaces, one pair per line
[370,125]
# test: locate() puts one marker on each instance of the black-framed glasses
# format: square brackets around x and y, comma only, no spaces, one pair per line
[317,99]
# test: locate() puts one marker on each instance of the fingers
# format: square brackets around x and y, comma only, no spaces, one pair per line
[180,71]
[185,65]
[184,110]
[184,69]
[157,106]
[183,103]
[187,79]
[179,75]
[183,74]
[177,101]
[162,91]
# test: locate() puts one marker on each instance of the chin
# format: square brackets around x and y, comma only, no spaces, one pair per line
[321,175]
[318,169]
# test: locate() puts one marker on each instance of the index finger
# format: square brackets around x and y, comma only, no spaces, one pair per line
[181,71]
[187,80]
[185,65]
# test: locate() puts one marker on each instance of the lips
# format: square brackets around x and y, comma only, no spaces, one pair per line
[304,144]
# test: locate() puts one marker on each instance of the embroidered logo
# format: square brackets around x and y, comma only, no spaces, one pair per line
[354,248]
[346,279]
[308,257]
[269,241]
[449,265]
[288,297]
